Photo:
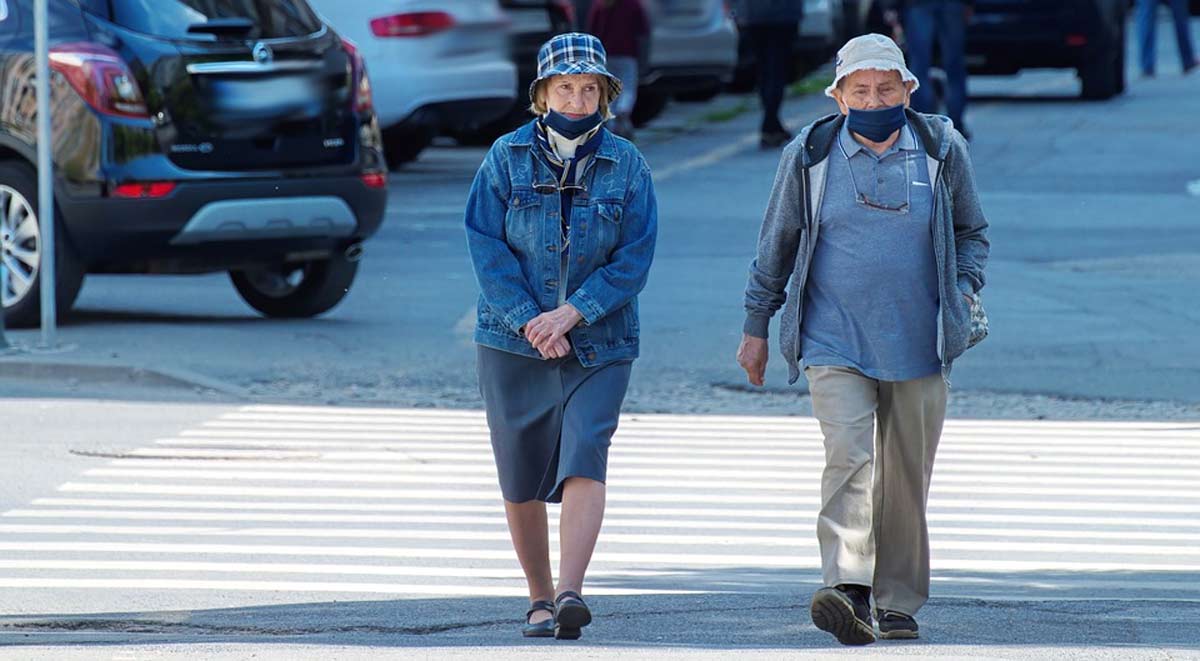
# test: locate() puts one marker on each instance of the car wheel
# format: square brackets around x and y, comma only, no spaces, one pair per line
[21,249]
[1103,75]
[404,144]
[649,105]
[699,95]
[302,289]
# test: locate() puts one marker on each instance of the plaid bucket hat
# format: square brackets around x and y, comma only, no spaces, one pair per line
[572,53]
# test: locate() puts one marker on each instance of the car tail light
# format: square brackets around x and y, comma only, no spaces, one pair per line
[363,98]
[1076,40]
[568,10]
[374,179]
[101,77]
[412,24]
[144,189]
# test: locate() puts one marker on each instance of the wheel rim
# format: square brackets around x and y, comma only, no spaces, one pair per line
[278,282]
[20,245]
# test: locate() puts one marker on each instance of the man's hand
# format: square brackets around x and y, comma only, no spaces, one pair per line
[891,18]
[547,331]
[752,356]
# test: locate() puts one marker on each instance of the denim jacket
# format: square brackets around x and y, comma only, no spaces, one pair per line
[515,239]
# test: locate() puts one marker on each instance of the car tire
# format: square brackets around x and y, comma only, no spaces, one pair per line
[404,144]
[18,208]
[699,95]
[650,104]
[296,290]
[1103,75]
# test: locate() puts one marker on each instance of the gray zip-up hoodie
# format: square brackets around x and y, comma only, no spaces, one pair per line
[789,235]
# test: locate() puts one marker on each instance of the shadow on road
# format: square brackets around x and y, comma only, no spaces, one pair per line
[734,609]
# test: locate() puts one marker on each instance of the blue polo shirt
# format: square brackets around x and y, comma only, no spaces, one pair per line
[871,301]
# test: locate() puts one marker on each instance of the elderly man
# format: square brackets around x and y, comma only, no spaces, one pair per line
[875,219]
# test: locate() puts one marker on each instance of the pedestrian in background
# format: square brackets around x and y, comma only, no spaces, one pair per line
[561,223]
[771,28]
[924,22]
[875,219]
[624,29]
[1147,24]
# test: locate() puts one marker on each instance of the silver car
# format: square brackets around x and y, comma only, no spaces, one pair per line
[435,65]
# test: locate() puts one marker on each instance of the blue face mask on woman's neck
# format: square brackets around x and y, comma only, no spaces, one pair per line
[571,128]
[876,125]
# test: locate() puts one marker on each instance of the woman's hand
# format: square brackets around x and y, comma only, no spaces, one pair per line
[547,331]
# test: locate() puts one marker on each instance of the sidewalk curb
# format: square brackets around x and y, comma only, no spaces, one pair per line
[21,367]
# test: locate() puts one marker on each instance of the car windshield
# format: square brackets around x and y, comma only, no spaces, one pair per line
[178,19]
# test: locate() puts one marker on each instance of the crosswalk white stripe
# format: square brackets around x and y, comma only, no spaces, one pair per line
[617,481]
[684,421]
[701,436]
[803,520]
[775,500]
[338,460]
[601,559]
[612,525]
[482,448]
[705,430]
[369,412]
[308,586]
[945,474]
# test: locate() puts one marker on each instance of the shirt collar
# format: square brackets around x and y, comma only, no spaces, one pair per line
[906,142]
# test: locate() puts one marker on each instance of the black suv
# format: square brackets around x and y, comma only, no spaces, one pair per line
[1005,36]
[191,136]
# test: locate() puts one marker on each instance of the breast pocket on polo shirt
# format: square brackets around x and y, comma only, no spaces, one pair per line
[524,214]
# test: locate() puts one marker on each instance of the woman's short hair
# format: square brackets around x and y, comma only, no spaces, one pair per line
[539,107]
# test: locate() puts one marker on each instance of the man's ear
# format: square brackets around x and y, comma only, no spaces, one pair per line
[837,96]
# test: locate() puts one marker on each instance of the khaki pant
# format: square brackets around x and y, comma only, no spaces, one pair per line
[873,532]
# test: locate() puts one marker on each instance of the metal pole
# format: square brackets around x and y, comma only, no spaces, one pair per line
[3,290]
[46,270]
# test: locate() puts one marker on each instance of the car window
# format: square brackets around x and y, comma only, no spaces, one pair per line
[272,19]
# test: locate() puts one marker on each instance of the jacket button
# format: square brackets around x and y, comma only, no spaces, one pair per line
[552,248]
[591,356]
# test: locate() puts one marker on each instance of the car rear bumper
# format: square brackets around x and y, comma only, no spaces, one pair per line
[398,97]
[218,224]
[678,55]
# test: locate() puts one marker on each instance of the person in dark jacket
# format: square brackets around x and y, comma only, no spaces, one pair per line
[624,29]
[924,22]
[771,27]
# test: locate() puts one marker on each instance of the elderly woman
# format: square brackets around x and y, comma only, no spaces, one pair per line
[561,223]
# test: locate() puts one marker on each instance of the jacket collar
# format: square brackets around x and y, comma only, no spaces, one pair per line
[523,138]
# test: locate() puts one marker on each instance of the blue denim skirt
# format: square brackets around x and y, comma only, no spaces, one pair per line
[549,420]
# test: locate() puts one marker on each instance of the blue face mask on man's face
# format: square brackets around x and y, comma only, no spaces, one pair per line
[876,125]
[571,128]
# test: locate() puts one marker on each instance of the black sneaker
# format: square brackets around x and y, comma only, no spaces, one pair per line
[844,612]
[896,626]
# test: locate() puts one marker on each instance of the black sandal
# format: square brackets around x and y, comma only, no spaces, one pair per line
[572,615]
[543,629]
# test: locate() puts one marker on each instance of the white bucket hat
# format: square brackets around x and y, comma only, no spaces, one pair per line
[870,51]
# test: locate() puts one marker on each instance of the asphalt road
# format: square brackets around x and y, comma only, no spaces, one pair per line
[1096,250]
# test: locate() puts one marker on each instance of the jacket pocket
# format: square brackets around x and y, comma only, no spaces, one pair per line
[524,214]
